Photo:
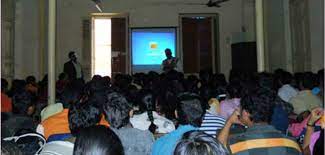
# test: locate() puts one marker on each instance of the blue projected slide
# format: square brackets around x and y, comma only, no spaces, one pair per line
[148,45]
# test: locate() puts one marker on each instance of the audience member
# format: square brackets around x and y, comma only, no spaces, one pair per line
[148,118]
[31,85]
[211,122]
[305,100]
[6,103]
[314,140]
[286,91]
[189,115]
[97,140]
[228,106]
[23,109]
[197,142]
[118,112]
[259,107]
[260,137]
[77,113]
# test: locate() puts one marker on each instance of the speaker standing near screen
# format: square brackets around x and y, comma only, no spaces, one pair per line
[170,63]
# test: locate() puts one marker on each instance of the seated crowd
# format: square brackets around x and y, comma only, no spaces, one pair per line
[165,114]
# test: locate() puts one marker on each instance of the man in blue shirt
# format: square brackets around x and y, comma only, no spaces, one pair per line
[189,113]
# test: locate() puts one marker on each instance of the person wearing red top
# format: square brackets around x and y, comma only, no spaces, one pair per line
[6,103]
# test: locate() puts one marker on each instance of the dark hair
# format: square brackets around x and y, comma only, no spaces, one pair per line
[62,76]
[308,80]
[116,109]
[265,80]
[189,109]
[30,79]
[16,87]
[71,53]
[69,96]
[234,90]
[21,102]
[168,50]
[197,142]
[97,140]
[83,114]
[9,148]
[147,103]
[286,78]
[259,104]
[4,84]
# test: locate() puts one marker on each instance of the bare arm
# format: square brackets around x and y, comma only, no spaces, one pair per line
[314,116]
[309,132]
[224,133]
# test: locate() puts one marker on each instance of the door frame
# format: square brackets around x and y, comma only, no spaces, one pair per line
[215,38]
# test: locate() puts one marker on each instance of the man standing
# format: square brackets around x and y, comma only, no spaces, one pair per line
[170,63]
[73,68]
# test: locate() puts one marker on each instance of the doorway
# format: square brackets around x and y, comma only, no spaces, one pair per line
[109,54]
[199,42]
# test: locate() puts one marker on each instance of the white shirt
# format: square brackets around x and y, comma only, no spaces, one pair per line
[286,92]
[142,122]
[77,66]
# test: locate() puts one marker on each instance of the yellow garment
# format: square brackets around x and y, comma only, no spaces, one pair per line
[263,143]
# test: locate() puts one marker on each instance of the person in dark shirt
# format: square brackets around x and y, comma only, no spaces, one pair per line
[170,63]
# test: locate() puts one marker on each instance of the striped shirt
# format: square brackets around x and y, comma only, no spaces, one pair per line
[211,123]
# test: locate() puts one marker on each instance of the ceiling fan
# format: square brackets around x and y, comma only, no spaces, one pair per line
[210,3]
[216,3]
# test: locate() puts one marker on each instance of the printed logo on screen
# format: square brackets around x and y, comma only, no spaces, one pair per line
[153,45]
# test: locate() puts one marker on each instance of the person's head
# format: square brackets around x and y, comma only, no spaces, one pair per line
[147,103]
[234,90]
[265,80]
[168,53]
[18,85]
[197,142]
[4,85]
[84,113]
[189,110]
[257,106]
[23,104]
[166,104]
[69,96]
[146,100]
[117,110]
[307,82]
[285,78]
[97,140]
[30,80]
[63,76]
[72,56]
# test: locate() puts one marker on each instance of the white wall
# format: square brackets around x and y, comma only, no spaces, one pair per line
[142,13]
[275,35]
[26,39]
[316,19]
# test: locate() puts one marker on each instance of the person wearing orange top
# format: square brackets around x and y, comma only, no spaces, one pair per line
[79,115]
[6,103]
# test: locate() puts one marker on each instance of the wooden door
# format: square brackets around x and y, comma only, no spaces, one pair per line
[197,44]
[119,47]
